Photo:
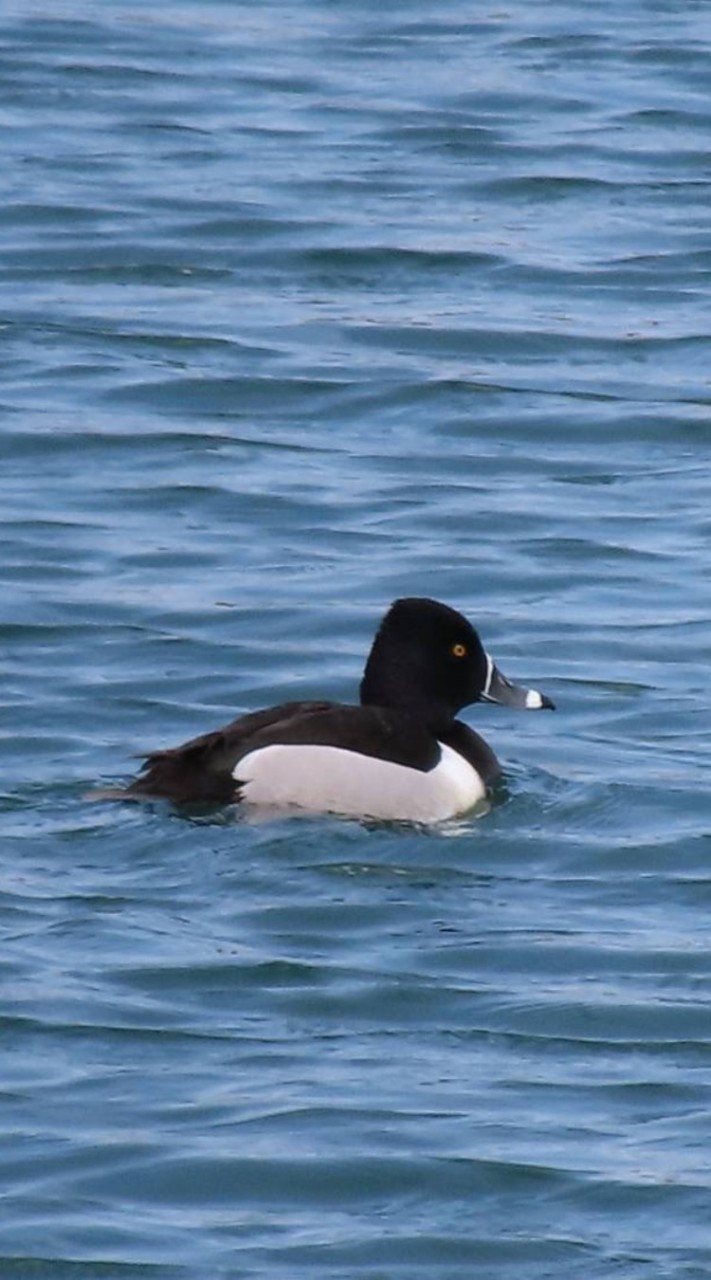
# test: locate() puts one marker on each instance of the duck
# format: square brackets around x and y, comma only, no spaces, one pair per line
[400,754]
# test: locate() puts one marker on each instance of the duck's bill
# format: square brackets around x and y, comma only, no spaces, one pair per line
[499,689]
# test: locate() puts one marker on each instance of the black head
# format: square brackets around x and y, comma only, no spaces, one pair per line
[428,660]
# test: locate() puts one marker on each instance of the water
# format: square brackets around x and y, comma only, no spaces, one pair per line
[305,307]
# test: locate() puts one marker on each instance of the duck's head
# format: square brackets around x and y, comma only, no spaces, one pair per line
[427,659]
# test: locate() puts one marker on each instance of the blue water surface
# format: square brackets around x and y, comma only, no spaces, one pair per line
[305,307]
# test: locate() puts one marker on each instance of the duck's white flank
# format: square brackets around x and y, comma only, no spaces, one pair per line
[333,780]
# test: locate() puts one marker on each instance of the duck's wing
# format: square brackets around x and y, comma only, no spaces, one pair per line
[201,770]
[204,770]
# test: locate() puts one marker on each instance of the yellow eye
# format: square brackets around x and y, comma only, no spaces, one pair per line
[459,651]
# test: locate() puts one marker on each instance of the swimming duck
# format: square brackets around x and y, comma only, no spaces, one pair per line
[400,755]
